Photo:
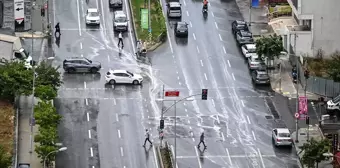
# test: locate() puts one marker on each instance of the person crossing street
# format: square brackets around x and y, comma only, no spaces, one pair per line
[57,29]
[147,137]
[202,141]
[120,39]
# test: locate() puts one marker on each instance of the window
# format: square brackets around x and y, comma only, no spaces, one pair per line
[131,74]
[120,19]
[284,135]
[117,74]
[93,14]
[175,8]
[336,99]
[124,75]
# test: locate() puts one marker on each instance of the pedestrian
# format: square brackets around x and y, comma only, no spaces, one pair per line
[147,137]
[120,39]
[202,141]
[57,29]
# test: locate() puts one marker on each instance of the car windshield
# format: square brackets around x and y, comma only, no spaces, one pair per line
[263,76]
[88,60]
[284,135]
[120,19]
[252,50]
[129,73]
[336,99]
[175,8]
[241,26]
[182,27]
[93,14]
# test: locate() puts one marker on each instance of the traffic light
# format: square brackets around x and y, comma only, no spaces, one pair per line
[306,74]
[161,124]
[42,12]
[307,120]
[204,94]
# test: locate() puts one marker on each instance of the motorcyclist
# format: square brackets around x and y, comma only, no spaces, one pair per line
[205,4]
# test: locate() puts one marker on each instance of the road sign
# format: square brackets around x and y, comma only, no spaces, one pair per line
[144,18]
[297,115]
[174,93]
[19,11]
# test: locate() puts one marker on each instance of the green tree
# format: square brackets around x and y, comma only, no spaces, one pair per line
[313,151]
[44,150]
[48,75]
[15,80]
[269,47]
[47,136]
[45,92]
[46,115]
[333,68]
[5,159]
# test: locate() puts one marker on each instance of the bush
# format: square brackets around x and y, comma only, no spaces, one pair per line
[46,115]
[5,159]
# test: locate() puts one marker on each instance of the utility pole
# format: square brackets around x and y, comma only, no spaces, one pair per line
[149,13]
[280,75]
[162,113]
[48,13]
[250,6]
[33,83]
[297,92]
[175,135]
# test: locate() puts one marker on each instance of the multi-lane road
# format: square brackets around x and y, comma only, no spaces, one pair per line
[104,126]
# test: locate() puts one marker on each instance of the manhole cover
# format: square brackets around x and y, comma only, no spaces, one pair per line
[269,117]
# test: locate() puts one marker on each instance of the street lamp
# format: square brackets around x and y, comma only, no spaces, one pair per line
[56,151]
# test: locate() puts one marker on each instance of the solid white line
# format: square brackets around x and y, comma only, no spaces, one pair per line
[104,26]
[81,45]
[187,13]
[88,116]
[188,121]
[94,167]
[201,62]
[261,158]
[229,158]
[198,157]
[130,32]
[232,74]
[173,151]
[193,139]
[220,36]
[81,55]
[212,13]
[224,50]
[155,156]
[193,34]
[190,24]
[108,58]
[78,18]
[117,118]
[227,128]
[213,102]
[86,102]
[121,151]
[90,134]
[225,156]
[242,102]
[253,135]
[216,25]
[248,120]
[198,50]
[205,76]
[223,139]
[84,84]
[91,150]
[114,102]
[118,133]
[167,32]
[229,63]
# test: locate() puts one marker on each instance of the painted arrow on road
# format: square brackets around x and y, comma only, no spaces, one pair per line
[18,9]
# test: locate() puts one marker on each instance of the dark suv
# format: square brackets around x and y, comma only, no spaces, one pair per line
[238,25]
[81,64]
[260,76]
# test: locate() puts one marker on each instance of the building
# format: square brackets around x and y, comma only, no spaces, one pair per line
[313,25]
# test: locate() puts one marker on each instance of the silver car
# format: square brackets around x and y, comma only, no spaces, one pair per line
[254,62]
[281,137]
[120,21]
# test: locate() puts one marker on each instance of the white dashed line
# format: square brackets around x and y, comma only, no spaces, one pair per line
[229,64]
[212,13]
[185,4]
[154,155]
[213,102]
[198,157]
[242,102]
[218,119]
[201,62]
[205,76]
[88,116]
[117,118]
[229,158]
[186,110]
[187,115]
[78,10]
[90,134]
[81,55]
[108,58]
[248,120]
[216,25]
[253,135]
[85,85]
[177,77]
[118,133]
[81,45]
[190,24]
[193,34]
[91,151]
[86,102]
[261,158]
[223,139]
[232,74]
[224,50]
[198,50]
[193,139]
[188,121]
[220,36]
[94,167]
[114,102]
[184,104]
[187,13]
[121,151]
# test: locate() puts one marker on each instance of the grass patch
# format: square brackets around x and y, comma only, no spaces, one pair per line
[7,126]
[166,156]
[157,20]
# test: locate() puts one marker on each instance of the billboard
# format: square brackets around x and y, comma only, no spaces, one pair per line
[303,107]
[19,11]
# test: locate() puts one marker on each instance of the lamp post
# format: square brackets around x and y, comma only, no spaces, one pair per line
[33,83]
[56,151]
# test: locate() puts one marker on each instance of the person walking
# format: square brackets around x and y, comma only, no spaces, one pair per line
[120,39]
[57,29]
[147,137]
[202,141]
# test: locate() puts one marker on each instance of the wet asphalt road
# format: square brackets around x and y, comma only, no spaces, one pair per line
[238,134]
[102,125]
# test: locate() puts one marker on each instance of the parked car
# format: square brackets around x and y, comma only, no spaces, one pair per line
[116,3]
[123,76]
[181,29]
[244,37]
[334,104]
[92,16]
[254,62]
[248,50]
[281,137]
[260,76]
[81,64]
[238,25]
[120,21]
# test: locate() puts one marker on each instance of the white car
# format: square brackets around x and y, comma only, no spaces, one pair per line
[334,104]
[254,62]
[120,21]
[123,76]
[92,17]
[281,137]
[248,50]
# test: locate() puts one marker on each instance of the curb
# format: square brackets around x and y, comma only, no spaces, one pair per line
[133,22]
[30,35]
[159,157]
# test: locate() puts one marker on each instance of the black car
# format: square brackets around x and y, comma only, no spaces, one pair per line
[244,37]
[81,64]
[181,29]
[260,76]
[238,25]
[116,3]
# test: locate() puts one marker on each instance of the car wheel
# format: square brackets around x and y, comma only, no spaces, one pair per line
[112,82]
[94,70]
[135,82]
[71,70]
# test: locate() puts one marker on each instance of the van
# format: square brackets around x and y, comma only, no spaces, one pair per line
[174,10]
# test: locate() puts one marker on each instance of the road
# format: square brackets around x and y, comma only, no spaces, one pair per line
[102,126]
[237,118]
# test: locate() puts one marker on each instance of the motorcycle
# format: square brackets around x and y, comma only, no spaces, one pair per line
[294,74]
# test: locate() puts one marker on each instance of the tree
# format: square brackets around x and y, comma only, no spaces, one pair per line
[333,68]
[48,75]
[269,47]
[5,159]
[46,115]
[44,150]
[46,136]
[45,92]
[313,151]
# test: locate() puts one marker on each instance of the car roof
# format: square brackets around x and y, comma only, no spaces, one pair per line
[118,71]
[182,23]
[283,130]
[120,12]
[240,22]
[75,58]
[251,46]
[245,33]
[174,4]
[262,72]
[92,10]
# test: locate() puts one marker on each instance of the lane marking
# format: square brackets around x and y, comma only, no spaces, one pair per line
[117,118]
[205,76]
[154,155]
[90,134]
[225,52]
[81,55]
[188,121]
[220,36]
[227,128]
[261,158]
[172,149]
[78,10]
[198,157]
[118,133]
[185,4]
[216,25]
[114,102]
[186,110]
[212,13]
[190,24]
[229,158]
[253,135]
[201,62]
[232,74]
[198,50]
[225,156]
[91,151]
[81,45]
[229,63]
[129,22]
[218,119]
[177,77]
[88,116]
[84,84]
[213,102]
[86,102]
[108,58]
[104,25]
[193,34]
[53,11]
[248,120]
[121,151]
[167,32]
[242,102]
[223,139]
[94,167]
[184,104]
[187,13]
